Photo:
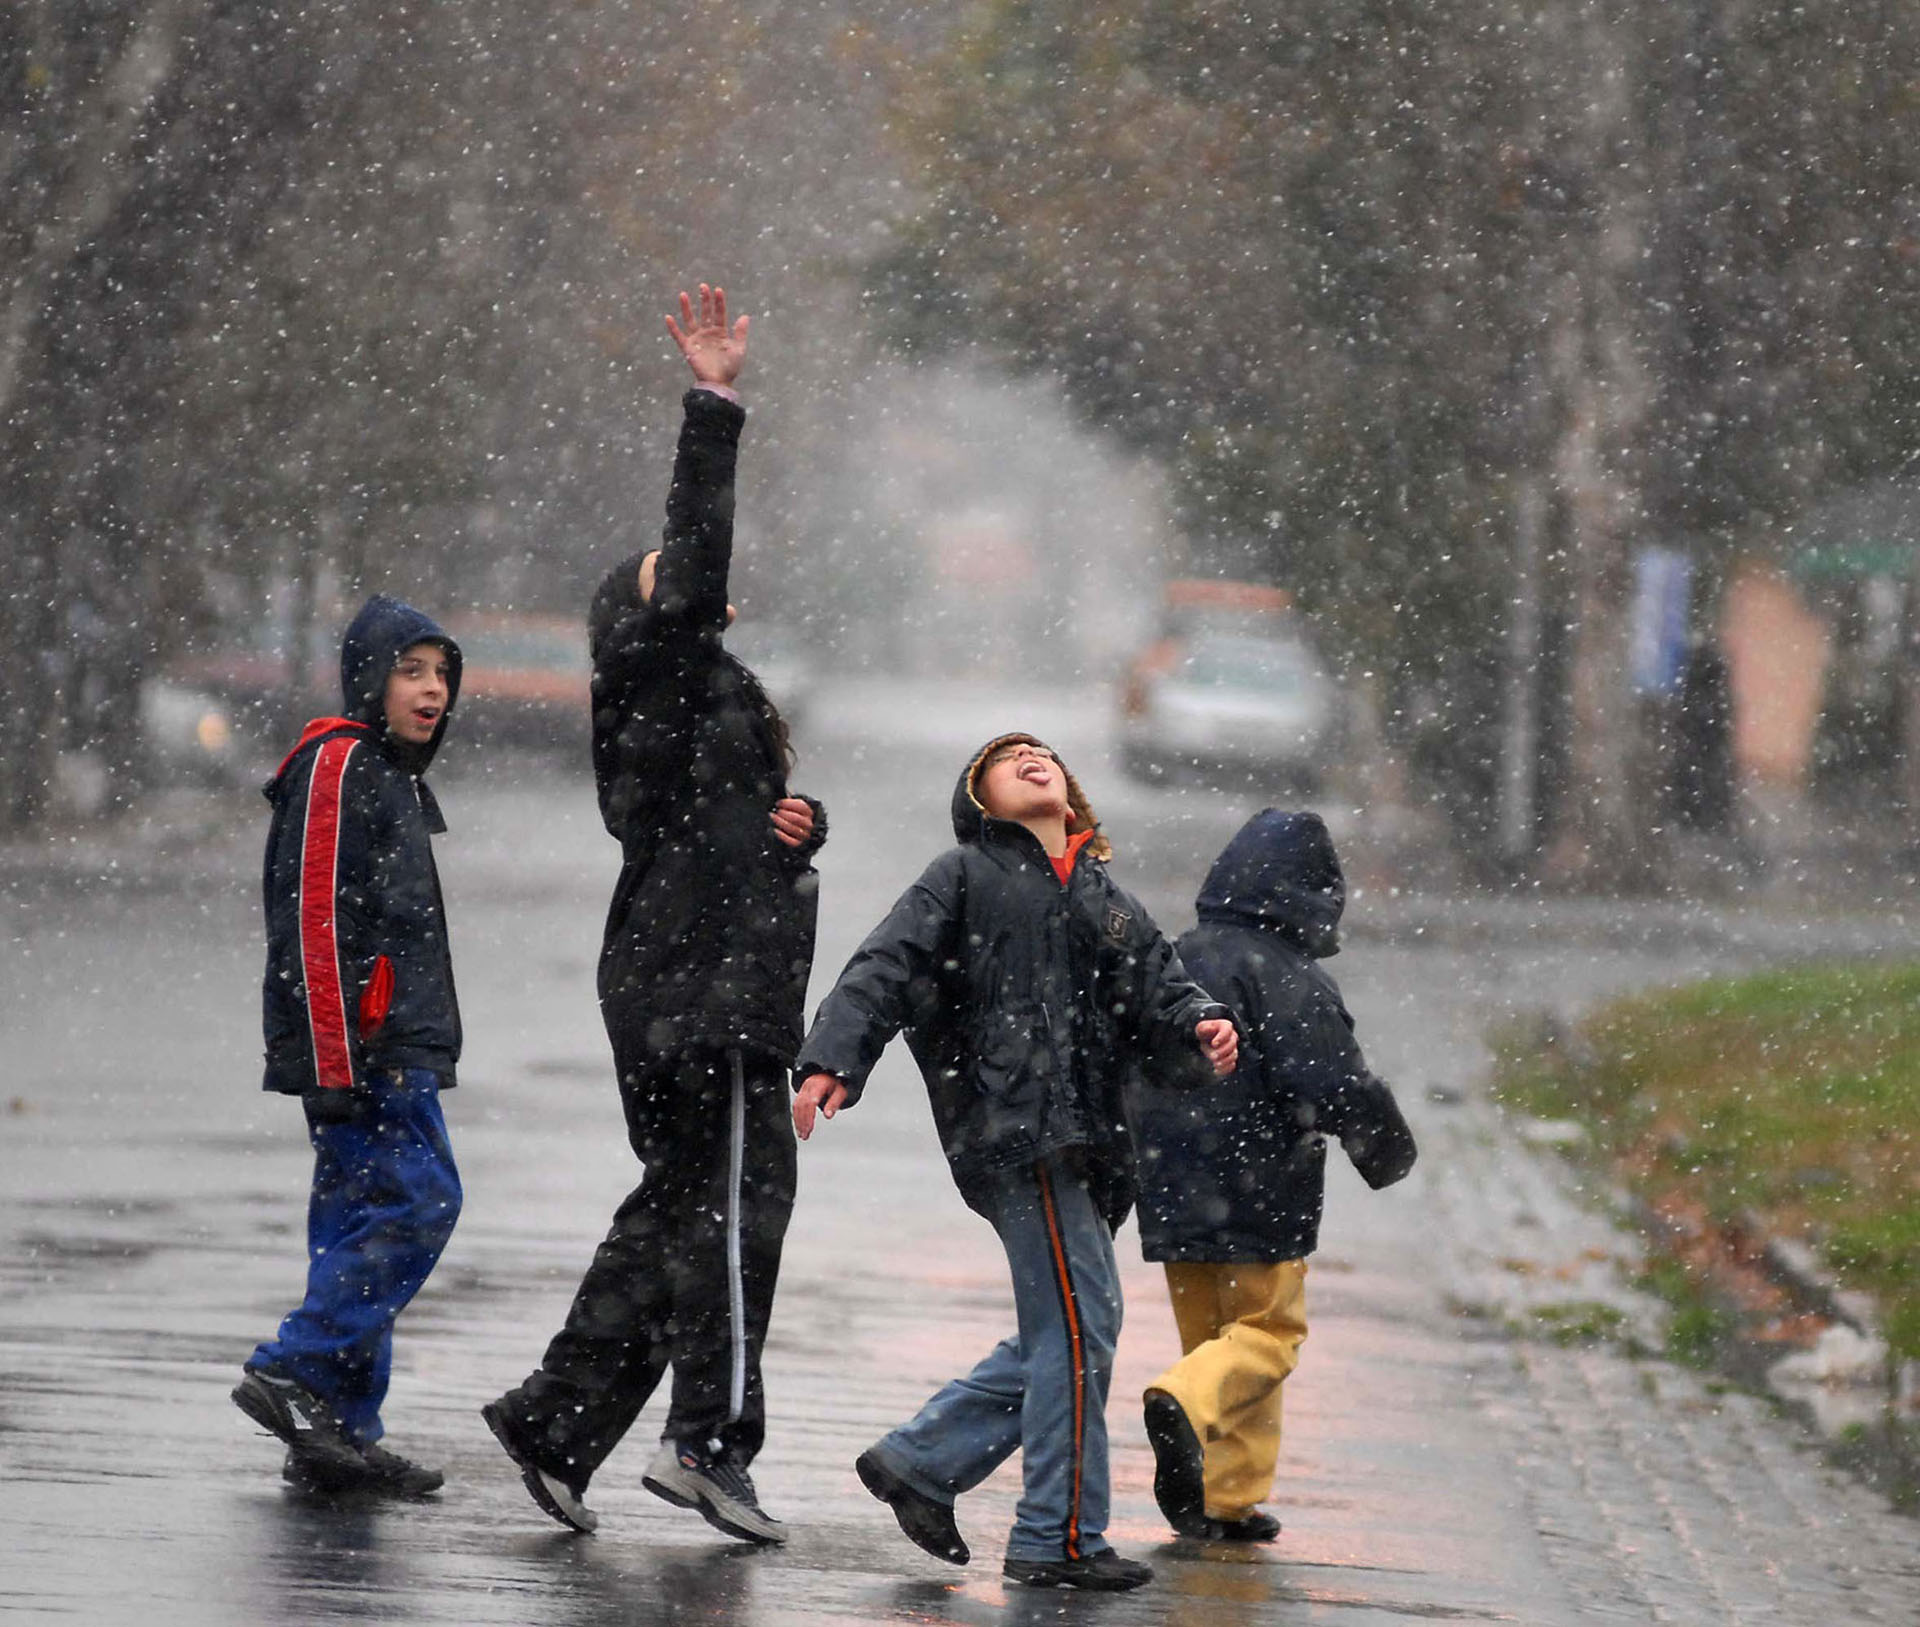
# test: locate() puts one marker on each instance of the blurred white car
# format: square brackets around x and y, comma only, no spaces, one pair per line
[1232,707]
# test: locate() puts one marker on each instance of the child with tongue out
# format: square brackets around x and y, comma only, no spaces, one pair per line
[362,1025]
[1025,981]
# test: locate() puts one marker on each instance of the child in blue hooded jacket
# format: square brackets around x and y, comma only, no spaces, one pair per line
[361,1023]
[1232,1169]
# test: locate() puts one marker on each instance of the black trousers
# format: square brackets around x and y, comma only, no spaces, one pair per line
[685,1278]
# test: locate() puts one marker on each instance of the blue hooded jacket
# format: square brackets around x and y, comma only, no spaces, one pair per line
[1234,1169]
[358,974]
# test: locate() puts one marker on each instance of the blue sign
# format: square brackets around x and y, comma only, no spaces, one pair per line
[1662,591]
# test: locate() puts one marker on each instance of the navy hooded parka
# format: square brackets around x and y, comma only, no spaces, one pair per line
[358,974]
[1233,1169]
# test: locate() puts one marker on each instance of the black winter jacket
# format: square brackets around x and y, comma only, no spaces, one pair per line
[1020,999]
[709,937]
[1233,1169]
[358,973]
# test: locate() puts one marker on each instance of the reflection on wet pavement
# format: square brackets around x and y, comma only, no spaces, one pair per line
[152,1211]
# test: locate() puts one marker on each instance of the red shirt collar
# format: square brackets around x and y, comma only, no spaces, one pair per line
[1063,866]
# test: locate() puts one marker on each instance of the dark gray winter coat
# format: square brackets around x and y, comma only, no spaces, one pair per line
[1021,1000]
[1233,1169]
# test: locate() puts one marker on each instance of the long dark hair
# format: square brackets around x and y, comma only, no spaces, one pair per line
[779,738]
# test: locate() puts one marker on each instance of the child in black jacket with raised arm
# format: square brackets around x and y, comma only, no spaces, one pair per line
[702,982]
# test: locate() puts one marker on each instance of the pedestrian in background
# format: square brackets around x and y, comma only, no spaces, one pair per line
[1023,977]
[362,1025]
[1232,1170]
[702,981]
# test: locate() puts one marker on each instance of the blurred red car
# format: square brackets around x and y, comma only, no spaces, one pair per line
[525,679]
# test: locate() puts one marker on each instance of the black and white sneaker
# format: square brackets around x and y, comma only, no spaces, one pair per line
[706,1478]
[557,1497]
[283,1406]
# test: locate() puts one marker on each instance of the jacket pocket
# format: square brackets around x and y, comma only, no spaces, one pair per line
[376,999]
[1014,1068]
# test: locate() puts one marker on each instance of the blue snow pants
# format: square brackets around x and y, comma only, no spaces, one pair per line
[385,1197]
[1043,1390]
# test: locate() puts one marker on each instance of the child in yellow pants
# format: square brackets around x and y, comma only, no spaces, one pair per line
[1232,1170]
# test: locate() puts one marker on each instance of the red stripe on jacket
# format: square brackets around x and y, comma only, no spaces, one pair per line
[319,935]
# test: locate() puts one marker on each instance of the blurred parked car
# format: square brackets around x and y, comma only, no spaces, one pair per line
[1231,707]
[525,680]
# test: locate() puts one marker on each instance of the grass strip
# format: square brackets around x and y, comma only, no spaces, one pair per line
[1792,1095]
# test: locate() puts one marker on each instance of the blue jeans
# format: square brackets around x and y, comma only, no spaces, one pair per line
[385,1197]
[1044,1390]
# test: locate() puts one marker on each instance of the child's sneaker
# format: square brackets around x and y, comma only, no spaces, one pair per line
[1259,1526]
[379,1471]
[706,1478]
[559,1498]
[283,1406]
[1104,1572]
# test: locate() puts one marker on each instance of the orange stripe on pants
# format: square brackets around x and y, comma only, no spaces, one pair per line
[1071,1312]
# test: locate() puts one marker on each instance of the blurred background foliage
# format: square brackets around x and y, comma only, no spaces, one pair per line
[1424,308]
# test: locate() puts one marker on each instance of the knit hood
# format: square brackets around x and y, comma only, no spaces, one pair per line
[970,814]
[1279,872]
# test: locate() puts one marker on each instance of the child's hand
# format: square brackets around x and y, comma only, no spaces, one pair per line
[715,354]
[1220,1042]
[819,1092]
[793,821]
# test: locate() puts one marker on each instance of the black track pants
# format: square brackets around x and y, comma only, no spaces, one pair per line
[685,1277]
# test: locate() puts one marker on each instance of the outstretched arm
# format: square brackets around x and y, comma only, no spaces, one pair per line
[687,583]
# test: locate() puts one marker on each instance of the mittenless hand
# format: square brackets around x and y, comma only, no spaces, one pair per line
[793,821]
[714,352]
[818,1093]
[1221,1043]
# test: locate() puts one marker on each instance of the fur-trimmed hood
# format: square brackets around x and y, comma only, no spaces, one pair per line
[970,816]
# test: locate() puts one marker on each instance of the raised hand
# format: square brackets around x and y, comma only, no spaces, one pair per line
[714,352]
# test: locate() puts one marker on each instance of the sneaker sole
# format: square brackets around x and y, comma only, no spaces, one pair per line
[716,1514]
[577,1518]
[1179,1466]
[278,1421]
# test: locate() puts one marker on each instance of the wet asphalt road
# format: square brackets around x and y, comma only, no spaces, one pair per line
[1435,1468]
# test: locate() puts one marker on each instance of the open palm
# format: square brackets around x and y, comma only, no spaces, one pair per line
[714,352]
